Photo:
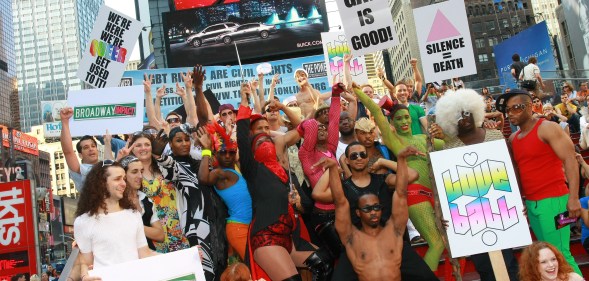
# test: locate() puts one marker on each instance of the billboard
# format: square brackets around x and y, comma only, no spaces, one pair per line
[225,81]
[22,142]
[189,4]
[576,13]
[256,28]
[17,239]
[520,44]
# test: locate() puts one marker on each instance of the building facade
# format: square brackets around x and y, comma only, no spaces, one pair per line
[408,47]
[8,88]
[573,19]
[49,36]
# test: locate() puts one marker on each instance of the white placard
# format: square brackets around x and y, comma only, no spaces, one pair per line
[335,46]
[120,110]
[444,41]
[368,25]
[480,198]
[109,48]
[180,265]
[51,119]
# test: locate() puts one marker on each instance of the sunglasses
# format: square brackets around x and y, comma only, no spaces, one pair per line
[356,155]
[464,115]
[368,209]
[518,108]
[173,120]
[225,152]
[227,113]
[107,163]
[128,160]
[145,132]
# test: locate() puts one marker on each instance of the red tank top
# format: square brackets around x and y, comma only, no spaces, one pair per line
[540,169]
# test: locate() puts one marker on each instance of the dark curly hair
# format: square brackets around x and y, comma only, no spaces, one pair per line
[95,191]
[153,168]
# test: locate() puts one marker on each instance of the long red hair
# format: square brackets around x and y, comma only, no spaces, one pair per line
[528,264]
[236,272]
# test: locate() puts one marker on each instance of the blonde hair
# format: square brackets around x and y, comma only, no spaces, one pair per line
[364,124]
[547,106]
[450,107]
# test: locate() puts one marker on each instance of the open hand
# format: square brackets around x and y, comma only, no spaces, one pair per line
[203,138]
[161,92]
[147,83]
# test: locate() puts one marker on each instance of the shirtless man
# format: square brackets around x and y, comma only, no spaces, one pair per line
[373,250]
[308,98]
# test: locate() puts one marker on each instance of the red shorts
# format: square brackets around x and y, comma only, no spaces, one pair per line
[417,193]
[277,234]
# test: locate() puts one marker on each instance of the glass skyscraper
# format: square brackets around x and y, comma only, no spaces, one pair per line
[49,36]
[7,67]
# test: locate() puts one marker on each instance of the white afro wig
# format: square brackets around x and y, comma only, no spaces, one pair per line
[450,107]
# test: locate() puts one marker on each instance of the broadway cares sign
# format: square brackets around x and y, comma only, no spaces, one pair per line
[111,42]
[368,25]
[444,41]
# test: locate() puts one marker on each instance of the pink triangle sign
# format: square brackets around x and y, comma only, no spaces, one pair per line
[442,28]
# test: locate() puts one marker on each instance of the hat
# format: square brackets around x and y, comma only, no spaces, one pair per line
[364,124]
[302,70]
[501,102]
[319,109]
[256,117]
[225,107]
[289,100]
[295,110]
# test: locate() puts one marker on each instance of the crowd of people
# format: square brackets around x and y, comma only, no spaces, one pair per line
[277,190]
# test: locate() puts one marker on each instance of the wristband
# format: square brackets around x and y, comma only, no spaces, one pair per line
[207,152]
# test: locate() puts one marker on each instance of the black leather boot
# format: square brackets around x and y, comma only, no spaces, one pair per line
[296,277]
[320,264]
[326,231]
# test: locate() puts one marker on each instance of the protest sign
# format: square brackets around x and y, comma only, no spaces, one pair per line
[109,48]
[335,46]
[180,265]
[369,25]
[479,197]
[51,119]
[444,41]
[225,81]
[120,110]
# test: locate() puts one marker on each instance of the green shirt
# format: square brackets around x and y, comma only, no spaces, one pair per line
[416,112]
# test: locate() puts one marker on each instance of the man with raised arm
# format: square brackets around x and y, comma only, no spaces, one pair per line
[373,250]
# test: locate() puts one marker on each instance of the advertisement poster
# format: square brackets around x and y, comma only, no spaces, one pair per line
[189,4]
[480,198]
[119,109]
[22,142]
[335,46]
[258,28]
[109,48]
[182,265]
[519,44]
[51,119]
[444,41]
[369,25]
[225,81]
[17,242]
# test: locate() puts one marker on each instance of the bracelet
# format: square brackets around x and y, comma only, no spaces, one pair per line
[207,152]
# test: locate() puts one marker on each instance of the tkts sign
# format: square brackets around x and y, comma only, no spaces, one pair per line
[17,229]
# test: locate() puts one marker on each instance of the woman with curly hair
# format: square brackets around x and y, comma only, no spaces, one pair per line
[160,191]
[541,262]
[107,219]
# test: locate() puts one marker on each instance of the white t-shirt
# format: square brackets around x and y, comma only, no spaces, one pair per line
[529,72]
[80,178]
[112,238]
[341,148]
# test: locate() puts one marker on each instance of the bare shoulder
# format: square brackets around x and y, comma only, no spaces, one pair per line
[550,130]
[573,276]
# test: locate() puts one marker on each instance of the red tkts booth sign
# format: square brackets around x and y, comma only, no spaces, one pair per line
[17,229]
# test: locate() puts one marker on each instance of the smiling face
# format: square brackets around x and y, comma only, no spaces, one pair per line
[301,78]
[369,91]
[402,93]
[115,182]
[402,122]
[465,123]
[547,264]
[134,175]
[142,149]
[372,217]
[180,144]
[359,163]
[89,152]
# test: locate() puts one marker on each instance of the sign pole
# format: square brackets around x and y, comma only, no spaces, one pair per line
[498,263]
[438,209]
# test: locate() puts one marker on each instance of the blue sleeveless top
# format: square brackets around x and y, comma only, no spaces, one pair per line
[238,200]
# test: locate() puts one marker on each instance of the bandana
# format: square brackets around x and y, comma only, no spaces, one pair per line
[266,154]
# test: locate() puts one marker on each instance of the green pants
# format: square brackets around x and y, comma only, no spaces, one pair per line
[541,216]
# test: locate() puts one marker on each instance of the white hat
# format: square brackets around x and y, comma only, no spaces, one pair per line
[289,99]
[301,70]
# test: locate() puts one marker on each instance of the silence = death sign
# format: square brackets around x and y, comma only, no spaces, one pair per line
[444,41]
[369,27]
[108,50]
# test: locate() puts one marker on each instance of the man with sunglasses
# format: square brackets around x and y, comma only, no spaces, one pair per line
[541,149]
[374,250]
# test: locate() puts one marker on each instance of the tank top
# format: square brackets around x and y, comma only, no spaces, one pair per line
[540,169]
[238,200]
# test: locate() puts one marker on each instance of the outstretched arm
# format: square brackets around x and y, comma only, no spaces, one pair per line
[417,77]
[343,219]
[66,140]
[152,118]
[400,213]
[203,112]
[188,98]
[205,176]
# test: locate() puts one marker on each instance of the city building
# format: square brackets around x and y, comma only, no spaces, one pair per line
[58,172]
[573,19]
[132,65]
[408,47]
[546,10]
[8,90]
[49,37]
